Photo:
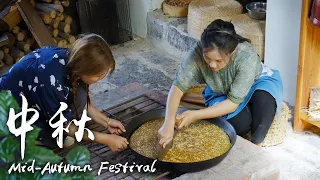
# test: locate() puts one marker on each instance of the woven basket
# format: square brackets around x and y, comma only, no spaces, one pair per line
[278,129]
[251,29]
[202,12]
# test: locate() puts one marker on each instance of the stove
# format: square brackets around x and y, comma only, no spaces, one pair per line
[123,112]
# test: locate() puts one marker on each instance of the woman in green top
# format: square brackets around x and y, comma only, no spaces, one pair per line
[240,89]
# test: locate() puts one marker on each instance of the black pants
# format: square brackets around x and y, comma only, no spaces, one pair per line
[257,116]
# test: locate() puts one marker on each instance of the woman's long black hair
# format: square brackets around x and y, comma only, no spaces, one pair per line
[220,35]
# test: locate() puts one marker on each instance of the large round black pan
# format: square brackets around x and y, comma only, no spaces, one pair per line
[136,122]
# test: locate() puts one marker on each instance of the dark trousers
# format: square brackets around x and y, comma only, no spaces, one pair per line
[257,116]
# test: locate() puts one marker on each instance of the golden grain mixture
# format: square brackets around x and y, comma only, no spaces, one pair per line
[200,141]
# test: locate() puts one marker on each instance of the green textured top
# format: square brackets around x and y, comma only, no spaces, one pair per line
[234,80]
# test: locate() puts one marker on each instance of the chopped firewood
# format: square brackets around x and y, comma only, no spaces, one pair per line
[6,50]
[7,39]
[1,64]
[68,37]
[68,19]
[58,8]
[64,27]
[53,32]
[30,41]
[16,53]
[46,10]
[69,45]
[65,3]
[46,1]
[61,17]
[47,19]
[55,23]
[22,35]
[1,55]
[60,42]
[16,30]
[23,46]
[57,2]
[8,59]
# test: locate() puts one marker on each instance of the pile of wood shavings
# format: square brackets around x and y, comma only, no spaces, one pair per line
[200,141]
[179,3]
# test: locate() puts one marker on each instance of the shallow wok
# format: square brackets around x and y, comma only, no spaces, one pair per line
[136,122]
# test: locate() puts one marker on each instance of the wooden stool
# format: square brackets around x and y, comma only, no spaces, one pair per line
[202,12]
[277,131]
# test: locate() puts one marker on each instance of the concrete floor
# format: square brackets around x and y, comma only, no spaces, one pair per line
[140,69]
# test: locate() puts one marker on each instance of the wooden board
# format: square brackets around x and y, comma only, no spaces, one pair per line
[308,65]
[13,18]
[35,23]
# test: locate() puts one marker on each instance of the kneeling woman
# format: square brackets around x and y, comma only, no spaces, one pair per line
[240,89]
[51,75]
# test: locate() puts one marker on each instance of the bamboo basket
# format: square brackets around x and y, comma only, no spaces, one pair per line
[251,29]
[175,11]
[202,12]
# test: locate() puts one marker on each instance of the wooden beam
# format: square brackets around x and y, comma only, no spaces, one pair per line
[35,24]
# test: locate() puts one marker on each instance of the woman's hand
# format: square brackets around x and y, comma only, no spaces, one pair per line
[186,118]
[115,127]
[117,143]
[165,135]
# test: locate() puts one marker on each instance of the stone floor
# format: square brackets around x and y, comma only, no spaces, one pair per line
[142,69]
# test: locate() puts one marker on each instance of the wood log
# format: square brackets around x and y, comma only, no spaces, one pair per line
[57,2]
[64,27]
[68,37]
[6,50]
[2,64]
[16,53]
[57,8]
[69,45]
[1,55]
[16,30]
[65,3]
[68,19]
[46,10]
[8,59]
[46,1]
[60,42]
[23,46]
[22,35]
[7,39]
[34,23]
[47,19]
[30,41]
[53,32]
[55,23]
[61,17]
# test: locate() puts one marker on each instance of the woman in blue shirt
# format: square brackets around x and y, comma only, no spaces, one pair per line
[51,75]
